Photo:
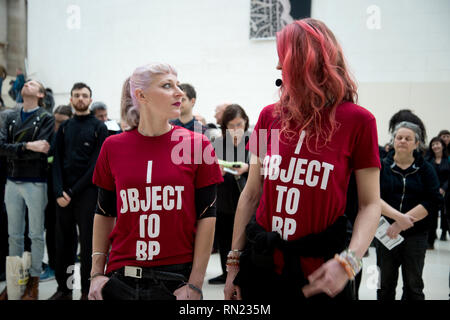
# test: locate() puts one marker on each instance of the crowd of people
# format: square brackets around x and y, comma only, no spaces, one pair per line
[292,206]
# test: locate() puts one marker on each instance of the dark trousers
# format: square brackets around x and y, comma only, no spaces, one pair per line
[410,256]
[120,287]
[444,220]
[224,231]
[50,232]
[50,223]
[432,228]
[79,212]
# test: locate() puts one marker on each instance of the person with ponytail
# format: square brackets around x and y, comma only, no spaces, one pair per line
[303,150]
[155,217]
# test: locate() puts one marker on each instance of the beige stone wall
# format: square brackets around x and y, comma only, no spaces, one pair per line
[3,30]
[430,101]
[17,35]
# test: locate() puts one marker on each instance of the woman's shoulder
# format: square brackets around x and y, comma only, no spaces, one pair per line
[267,116]
[268,111]
[120,138]
[188,136]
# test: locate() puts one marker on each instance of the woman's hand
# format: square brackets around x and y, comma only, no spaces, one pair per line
[64,200]
[95,290]
[243,169]
[330,278]
[405,221]
[187,293]
[232,291]
[394,230]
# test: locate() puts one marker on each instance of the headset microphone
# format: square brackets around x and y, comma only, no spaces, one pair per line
[278,82]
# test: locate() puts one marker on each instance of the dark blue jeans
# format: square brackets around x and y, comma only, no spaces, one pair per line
[120,287]
[410,256]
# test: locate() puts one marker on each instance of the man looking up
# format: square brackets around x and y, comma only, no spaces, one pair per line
[24,141]
[77,146]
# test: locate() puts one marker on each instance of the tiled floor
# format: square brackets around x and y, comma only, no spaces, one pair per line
[436,277]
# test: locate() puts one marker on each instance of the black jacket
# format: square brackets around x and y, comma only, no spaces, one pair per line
[21,163]
[77,146]
[443,171]
[405,189]
[228,192]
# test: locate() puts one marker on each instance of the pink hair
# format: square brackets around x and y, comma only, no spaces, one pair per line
[315,80]
[140,79]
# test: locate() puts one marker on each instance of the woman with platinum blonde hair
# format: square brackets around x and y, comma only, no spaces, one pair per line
[409,194]
[155,219]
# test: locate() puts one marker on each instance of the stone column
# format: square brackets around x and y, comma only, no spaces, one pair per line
[16,35]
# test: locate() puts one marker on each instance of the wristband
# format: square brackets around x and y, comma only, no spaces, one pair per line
[97,274]
[344,263]
[99,254]
[234,253]
[191,286]
[350,262]
[233,259]
[352,259]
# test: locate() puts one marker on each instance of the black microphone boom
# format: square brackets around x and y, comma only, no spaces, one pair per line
[278,82]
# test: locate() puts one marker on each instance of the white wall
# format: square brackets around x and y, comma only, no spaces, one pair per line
[207,41]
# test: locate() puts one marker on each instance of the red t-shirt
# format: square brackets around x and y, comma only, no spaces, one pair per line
[304,192]
[155,180]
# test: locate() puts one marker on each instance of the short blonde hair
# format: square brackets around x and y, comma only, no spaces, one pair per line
[140,79]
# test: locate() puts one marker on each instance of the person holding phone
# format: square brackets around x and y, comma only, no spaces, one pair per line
[233,160]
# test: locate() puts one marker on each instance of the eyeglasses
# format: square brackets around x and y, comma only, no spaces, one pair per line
[238,125]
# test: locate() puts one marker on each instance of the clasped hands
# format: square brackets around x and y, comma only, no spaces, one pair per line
[402,223]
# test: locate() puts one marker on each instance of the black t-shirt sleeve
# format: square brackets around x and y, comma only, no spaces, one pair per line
[106,203]
[205,201]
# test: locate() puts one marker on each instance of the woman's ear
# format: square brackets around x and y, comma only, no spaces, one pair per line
[139,94]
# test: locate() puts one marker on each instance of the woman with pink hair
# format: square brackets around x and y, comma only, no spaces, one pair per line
[304,149]
[155,217]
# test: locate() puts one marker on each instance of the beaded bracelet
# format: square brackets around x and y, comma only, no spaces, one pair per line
[344,263]
[232,263]
[352,259]
[233,258]
[191,286]
[234,253]
[230,267]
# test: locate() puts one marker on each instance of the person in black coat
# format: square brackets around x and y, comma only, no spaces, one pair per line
[77,146]
[230,147]
[445,136]
[409,193]
[438,157]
